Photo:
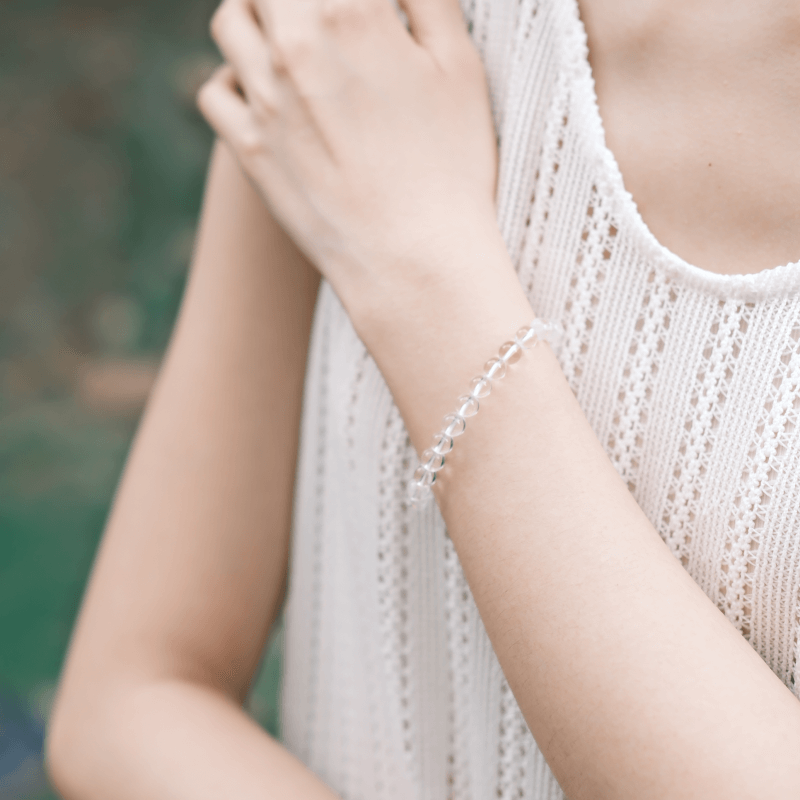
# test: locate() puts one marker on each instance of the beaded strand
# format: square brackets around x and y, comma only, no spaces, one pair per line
[455,423]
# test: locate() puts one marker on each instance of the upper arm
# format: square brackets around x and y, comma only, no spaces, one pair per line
[190,572]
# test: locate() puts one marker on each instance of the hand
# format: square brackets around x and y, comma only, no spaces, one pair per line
[373,146]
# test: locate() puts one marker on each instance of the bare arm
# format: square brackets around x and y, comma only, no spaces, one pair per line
[632,682]
[191,570]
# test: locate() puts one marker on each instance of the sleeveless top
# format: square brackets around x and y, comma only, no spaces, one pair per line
[690,380]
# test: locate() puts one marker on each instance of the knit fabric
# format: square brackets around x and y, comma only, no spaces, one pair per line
[690,380]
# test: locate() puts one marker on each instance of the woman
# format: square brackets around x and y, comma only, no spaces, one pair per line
[605,507]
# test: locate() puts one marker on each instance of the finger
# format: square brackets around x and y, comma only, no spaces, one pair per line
[242,43]
[434,22]
[223,107]
[287,17]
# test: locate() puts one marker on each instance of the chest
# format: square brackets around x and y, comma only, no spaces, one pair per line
[700,106]
[689,379]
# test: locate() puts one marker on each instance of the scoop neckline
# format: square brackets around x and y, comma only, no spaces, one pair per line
[768,283]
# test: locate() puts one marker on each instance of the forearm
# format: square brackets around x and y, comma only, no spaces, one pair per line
[630,679]
[211,470]
[191,568]
[182,741]
[632,682]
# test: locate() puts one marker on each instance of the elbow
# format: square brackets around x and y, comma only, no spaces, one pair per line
[65,747]
[59,761]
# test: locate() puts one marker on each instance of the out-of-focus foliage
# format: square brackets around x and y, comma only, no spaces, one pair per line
[102,163]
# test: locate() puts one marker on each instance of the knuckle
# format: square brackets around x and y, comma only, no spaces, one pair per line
[218,22]
[204,97]
[201,99]
[291,51]
[347,14]
[249,144]
[262,100]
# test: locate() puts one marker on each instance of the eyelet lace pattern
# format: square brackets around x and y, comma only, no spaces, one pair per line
[690,381]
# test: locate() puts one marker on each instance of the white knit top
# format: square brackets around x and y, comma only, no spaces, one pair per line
[690,380]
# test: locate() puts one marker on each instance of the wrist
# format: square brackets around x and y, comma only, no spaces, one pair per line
[429,330]
[452,277]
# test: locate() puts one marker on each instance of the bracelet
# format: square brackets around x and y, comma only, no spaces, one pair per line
[455,423]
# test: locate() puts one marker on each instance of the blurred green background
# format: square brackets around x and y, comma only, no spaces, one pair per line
[102,163]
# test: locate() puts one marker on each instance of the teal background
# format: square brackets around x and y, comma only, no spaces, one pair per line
[102,163]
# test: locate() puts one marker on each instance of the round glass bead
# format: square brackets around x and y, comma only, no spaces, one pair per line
[418,493]
[526,337]
[442,444]
[510,352]
[494,369]
[480,387]
[541,328]
[467,406]
[455,425]
[548,331]
[431,461]
[424,477]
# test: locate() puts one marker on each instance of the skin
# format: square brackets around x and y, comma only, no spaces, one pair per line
[191,569]
[670,701]
[701,107]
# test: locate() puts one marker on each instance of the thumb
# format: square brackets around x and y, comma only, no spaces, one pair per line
[434,22]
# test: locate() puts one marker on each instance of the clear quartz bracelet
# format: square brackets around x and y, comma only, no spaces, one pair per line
[455,423]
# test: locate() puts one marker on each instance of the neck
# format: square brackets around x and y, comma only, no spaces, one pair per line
[701,105]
